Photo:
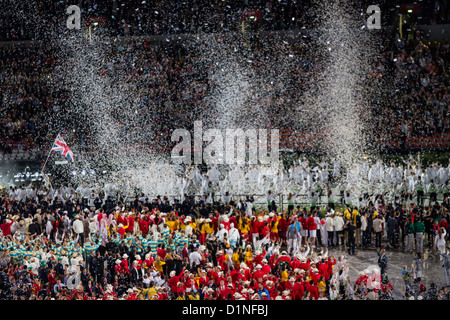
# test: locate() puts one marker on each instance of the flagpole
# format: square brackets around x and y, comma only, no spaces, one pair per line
[42,171]
[45,163]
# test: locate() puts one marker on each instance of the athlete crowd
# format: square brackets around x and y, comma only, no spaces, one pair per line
[63,243]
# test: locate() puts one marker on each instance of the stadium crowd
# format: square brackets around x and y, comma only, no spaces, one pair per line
[138,17]
[164,81]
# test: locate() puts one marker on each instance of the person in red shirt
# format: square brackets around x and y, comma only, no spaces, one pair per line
[254,229]
[162,294]
[215,220]
[221,260]
[265,267]
[6,227]
[258,273]
[118,267]
[295,263]
[121,218]
[289,285]
[226,223]
[130,223]
[203,280]
[313,291]
[443,224]
[224,293]
[331,261]
[161,251]
[121,230]
[283,226]
[139,261]
[143,224]
[191,284]
[304,232]
[298,291]
[312,229]
[51,278]
[323,268]
[174,280]
[283,259]
[124,264]
[259,257]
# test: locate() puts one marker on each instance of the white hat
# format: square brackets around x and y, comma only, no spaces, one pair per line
[172,274]
[258,266]
[118,261]
[125,256]
[188,218]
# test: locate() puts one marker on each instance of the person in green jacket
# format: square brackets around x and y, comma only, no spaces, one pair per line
[409,233]
[419,228]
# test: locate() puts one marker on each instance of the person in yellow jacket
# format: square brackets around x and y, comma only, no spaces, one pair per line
[354,217]
[248,256]
[209,227]
[244,228]
[202,229]
[236,257]
[183,223]
[158,264]
[273,225]
[321,286]
[172,223]
[284,276]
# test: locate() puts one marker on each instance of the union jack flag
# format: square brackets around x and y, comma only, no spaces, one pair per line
[61,147]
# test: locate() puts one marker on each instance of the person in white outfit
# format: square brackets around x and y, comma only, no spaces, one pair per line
[329,225]
[233,235]
[440,241]
[339,228]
